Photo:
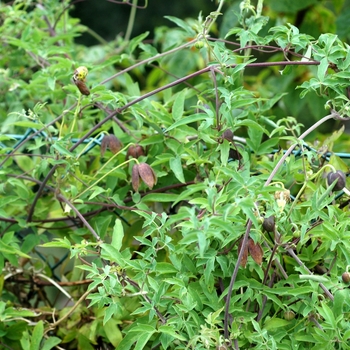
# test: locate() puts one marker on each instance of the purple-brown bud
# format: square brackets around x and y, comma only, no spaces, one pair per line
[111,142]
[135,151]
[144,172]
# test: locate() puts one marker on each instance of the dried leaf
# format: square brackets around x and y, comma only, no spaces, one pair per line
[135,177]
[245,253]
[147,175]
[255,251]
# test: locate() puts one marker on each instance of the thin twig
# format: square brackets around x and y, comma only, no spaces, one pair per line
[81,299]
[81,217]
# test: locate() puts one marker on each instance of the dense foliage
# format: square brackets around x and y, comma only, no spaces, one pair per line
[161,194]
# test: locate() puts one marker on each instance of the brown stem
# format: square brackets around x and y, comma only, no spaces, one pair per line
[233,278]
[81,217]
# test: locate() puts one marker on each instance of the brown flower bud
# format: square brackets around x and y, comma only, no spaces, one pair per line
[269,224]
[135,178]
[135,151]
[245,253]
[114,144]
[104,144]
[227,135]
[255,251]
[111,142]
[346,277]
[146,173]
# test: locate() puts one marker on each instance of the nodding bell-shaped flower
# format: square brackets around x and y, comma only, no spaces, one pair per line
[111,142]
[144,172]
[135,151]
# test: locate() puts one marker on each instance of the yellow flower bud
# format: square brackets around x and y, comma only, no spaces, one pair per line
[80,73]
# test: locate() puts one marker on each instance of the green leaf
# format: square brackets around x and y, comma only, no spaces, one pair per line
[274,323]
[160,197]
[111,253]
[28,124]
[340,297]
[109,312]
[50,343]
[25,341]
[13,312]
[164,267]
[63,151]
[327,313]
[338,163]
[37,336]
[176,167]
[170,331]
[59,243]
[136,41]
[25,163]
[182,24]
[187,120]
[97,190]
[113,332]
[224,148]
[322,69]
[178,106]
[117,235]
[7,249]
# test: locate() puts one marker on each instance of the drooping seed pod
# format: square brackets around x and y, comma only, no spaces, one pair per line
[79,79]
[84,90]
[346,277]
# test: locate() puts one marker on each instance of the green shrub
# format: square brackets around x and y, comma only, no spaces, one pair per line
[149,203]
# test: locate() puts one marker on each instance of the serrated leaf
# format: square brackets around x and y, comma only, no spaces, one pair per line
[170,331]
[112,254]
